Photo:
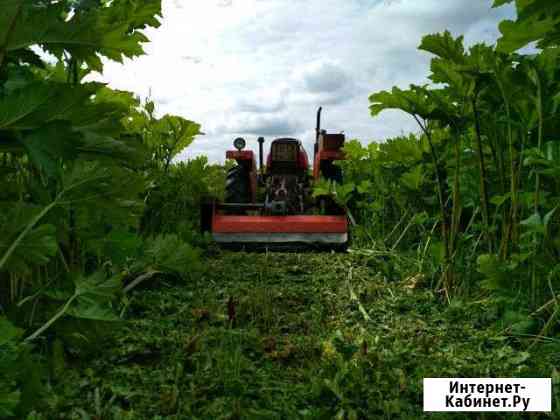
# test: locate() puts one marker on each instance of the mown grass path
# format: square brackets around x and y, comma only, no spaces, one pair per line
[288,336]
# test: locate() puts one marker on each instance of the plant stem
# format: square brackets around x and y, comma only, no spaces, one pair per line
[456,211]
[23,233]
[510,230]
[51,321]
[140,279]
[540,136]
[483,176]
[403,233]
[11,26]
[440,191]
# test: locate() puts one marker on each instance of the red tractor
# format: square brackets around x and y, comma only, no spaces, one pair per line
[274,204]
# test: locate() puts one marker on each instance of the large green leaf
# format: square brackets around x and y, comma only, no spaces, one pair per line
[47,145]
[462,72]
[445,46]
[498,3]
[91,299]
[516,35]
[537,20]
[414,178]
[168,253]
[418,101]
[41,102]
[86,308]
[534,224]
[174,134]
[105,112]
[97,287]
[94,294]
[63,121]
[11,10]
[413,101]
[443,72]
[494,270]
[109,30]
[37,247]
[8,332]
[8,403]
[118,245]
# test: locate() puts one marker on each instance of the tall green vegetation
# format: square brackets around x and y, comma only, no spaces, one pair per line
[78,163]
[488,151]
[173,192]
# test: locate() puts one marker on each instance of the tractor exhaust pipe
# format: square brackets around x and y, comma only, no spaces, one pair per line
[261,153]
[317,132]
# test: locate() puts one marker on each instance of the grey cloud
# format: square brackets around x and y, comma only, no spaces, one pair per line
[262,124]
[326,77]
[260,107]
[306,99]
[258,103]
[321,82]
[428,15]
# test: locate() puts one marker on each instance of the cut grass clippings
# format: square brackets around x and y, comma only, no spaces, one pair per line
[290,336]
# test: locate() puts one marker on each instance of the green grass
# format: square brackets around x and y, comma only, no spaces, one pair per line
[314,336]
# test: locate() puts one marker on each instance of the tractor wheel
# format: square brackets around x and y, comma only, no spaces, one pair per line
[331,172]
[237,185]
[336,174]
[206,214]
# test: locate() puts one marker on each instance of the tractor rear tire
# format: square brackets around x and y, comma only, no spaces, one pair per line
[206,214]
[238,188]
[331,172]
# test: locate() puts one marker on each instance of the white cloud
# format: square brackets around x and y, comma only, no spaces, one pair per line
[262,125]
[262,67]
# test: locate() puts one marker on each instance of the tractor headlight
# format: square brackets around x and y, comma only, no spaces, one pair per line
[239,143]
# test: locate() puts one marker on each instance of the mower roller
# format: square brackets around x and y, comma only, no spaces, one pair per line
[273,204]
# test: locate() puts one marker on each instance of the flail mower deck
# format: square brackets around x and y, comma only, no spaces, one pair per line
[273,206]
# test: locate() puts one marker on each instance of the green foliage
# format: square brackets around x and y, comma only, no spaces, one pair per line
[172,134]
[388,182]
[168,253]
[75,171]
[300,346]
[165,137]
[444,46]
[19,372]
[9,395]
[485,151]
[173,198]
[414,102]
[537,20]
[339,193]
[111,30]
[92,296]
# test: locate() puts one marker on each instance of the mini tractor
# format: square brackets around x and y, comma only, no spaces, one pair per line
[273,205]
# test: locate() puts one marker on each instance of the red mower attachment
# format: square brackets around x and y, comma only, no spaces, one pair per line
[280,229]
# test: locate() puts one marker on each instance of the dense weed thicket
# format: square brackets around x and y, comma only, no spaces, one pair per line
[87,176]
[475,195]
[93,209]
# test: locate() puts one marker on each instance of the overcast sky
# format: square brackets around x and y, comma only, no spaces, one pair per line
[262,67]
